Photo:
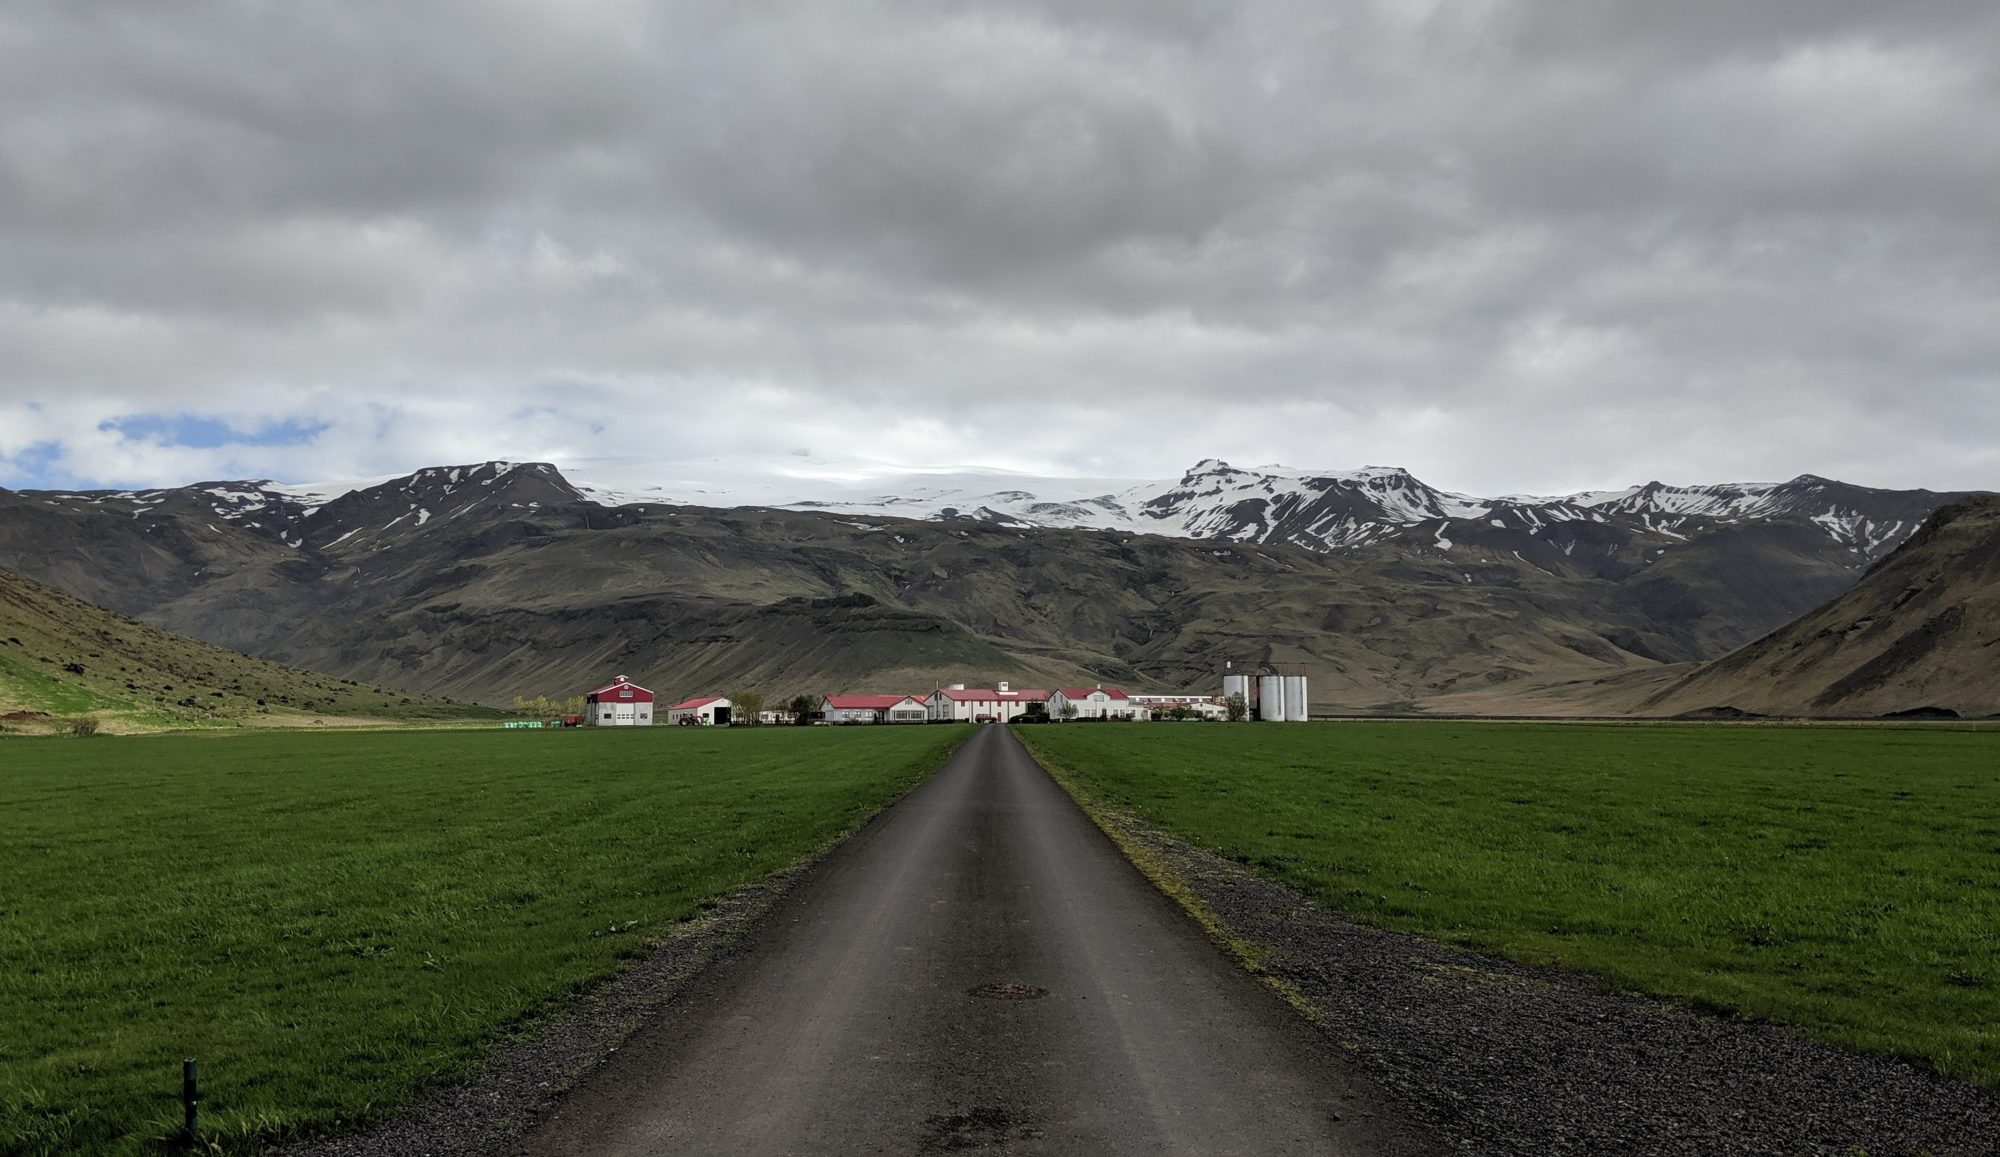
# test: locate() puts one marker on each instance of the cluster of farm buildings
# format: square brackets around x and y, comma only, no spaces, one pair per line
[623,703]
[1001,704]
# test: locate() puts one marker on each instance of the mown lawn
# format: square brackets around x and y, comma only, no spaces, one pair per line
[1845,879]
[331,921]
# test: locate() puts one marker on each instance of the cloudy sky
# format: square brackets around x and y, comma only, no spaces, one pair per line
[1514,246]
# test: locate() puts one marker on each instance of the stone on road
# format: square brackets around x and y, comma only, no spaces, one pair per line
[979,968]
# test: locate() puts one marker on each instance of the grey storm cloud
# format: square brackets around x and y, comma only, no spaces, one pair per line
[1511,245]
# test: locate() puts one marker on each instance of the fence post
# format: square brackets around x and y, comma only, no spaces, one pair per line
[190,1095]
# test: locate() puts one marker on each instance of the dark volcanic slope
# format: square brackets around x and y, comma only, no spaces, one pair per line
[1922,629]
[499,579]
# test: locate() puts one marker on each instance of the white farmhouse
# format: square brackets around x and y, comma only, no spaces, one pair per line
[957,703]
[873,709]
[1099,702]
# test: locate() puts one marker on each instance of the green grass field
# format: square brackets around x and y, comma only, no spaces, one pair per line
[1846,880]
[332,921]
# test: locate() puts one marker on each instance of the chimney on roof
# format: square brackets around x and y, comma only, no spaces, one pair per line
[1003,687]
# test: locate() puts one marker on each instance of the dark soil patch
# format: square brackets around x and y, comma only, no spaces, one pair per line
[1494,1057]
[985,1127]
[1904,653]
[1724,712]
[1923,713]
[1007,990]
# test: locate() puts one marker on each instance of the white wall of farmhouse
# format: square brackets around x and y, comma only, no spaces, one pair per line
[1096,703]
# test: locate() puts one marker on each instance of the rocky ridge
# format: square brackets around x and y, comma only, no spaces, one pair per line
[1919,634]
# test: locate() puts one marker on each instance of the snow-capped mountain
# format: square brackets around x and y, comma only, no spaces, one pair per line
[1344,509]
[324,514]
[1324,510]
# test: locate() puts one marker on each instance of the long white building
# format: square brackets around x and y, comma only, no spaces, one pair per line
[1204,705]
[957,703]
[873,709]
[1099,702]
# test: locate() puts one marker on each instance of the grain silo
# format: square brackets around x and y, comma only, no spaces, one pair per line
[1271,698]
[1295,699]
[1239,685]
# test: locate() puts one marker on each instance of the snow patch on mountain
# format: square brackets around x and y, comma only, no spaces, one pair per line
[1350,508]
[1340,509]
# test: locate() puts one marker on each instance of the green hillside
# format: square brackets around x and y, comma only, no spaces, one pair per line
[62,659]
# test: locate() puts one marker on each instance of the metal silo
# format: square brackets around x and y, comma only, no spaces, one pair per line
[1295,699]
[1271,698]
[1239,685]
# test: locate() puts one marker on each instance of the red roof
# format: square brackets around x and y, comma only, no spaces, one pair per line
[988,695]
[615,684]
[1085,692]
[691,704]
[864,702]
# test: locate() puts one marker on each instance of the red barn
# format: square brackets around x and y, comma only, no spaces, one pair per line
[619,703]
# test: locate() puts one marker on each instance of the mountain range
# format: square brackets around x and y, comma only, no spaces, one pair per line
[490,580]
[1336,509]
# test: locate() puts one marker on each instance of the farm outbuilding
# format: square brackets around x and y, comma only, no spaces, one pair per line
[872,709]
[619,703]
[710,711]
[1098,702]
[1205,706]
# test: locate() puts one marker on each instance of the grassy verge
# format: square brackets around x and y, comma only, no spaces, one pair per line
[331,922]
[1846,880]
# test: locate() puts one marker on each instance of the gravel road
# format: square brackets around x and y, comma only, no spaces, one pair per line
[981,969]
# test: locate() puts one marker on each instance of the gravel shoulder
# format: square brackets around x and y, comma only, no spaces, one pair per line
[1494,1057]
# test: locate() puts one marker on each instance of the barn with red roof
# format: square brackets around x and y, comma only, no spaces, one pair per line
[704,711]
[619,703]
